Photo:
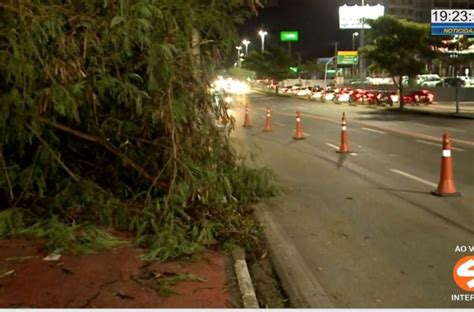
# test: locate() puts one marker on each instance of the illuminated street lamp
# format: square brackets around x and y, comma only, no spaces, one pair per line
[238,48]
[262,34]
[246,43]
[356,34]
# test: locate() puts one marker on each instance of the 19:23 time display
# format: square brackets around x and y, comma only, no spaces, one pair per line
[460,16]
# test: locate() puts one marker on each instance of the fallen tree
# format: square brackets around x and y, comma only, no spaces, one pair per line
[105,119]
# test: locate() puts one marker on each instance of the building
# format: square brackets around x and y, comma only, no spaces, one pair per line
[414,10]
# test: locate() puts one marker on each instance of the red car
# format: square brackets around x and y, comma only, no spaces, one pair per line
[420,96]
[357,95]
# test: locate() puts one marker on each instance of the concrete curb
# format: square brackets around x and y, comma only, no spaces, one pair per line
[247,291]
[302,289]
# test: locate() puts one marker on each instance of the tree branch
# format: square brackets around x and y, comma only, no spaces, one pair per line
[14,10]
[54,154]
[4,165]
[108,146]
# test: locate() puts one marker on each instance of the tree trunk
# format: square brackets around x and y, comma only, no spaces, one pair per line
[399,86]
[400,89]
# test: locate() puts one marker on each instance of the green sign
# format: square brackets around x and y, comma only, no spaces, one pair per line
[289,36]
[294,69]
[347,58]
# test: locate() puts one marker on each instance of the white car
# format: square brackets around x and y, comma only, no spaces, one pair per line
[303,92]
[469,81]
[430,82]
[316,95]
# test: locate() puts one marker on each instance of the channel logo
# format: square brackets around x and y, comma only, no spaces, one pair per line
[463,273]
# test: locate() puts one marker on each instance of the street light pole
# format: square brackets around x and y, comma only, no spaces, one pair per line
[326,70]
[262,34]
[361,44]
[355,34]
[246,43]
[238,48]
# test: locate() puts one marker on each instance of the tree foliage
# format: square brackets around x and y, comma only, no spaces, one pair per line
[274,63]
[399,47]
[105,118]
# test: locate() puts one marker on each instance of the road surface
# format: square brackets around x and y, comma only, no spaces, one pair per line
[364,226]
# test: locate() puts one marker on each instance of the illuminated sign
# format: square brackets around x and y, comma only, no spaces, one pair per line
[289,36]
[352,17]
[347,58]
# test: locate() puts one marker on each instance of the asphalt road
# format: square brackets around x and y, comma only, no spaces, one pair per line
[364,226]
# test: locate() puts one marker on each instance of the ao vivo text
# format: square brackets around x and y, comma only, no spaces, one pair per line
[464,248]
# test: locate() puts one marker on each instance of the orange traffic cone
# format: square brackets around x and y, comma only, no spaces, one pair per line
[344,148]
[268,122]
[446,185]
[299,131]
[247,118]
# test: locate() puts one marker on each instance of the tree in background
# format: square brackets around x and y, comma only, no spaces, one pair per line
[105,119]
[273,64]
[399,47]
[312,68]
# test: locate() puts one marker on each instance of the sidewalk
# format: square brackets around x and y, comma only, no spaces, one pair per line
[112,279]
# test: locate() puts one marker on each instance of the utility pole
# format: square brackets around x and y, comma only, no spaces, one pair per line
[361,44]
[335,58]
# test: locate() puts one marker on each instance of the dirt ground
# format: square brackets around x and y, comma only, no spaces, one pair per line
[112,279]
[267,285]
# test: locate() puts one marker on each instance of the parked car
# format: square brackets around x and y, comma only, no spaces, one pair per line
[427,78]
[303,91]
[343,96]
[432,81]
[387,97]
[357,95]
[328,94]
[468,81]
[316,94]
[451,82]
[419,96]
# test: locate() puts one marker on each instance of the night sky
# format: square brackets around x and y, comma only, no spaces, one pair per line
[316,20]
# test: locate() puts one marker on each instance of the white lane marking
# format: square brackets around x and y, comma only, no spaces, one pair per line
[414,177]
[439,145]
[332,145]
[280,124]
[306,134]
[354,154]
[373,130]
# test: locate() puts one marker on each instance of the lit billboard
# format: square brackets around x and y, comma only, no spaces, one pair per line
[350,17]
[289,36]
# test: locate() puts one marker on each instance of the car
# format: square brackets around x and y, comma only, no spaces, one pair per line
[451,82]
[316,94]
[303,91]
[427,78]
[357,95]
[430,82]
[468,81]
[343,96]
[419,96]
[328,94]
[383,97]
